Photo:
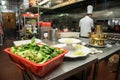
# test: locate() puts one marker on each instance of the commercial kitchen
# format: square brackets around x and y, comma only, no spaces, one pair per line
[50,32]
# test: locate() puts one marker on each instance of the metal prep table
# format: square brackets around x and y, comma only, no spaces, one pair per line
[69,67]
[73,66]
[107,52]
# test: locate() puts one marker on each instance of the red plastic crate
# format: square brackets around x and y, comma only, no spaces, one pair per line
[37,69]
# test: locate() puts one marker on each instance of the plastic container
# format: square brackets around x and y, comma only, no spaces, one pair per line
[45,24]
[37,69]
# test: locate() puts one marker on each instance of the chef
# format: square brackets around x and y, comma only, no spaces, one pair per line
[86,24]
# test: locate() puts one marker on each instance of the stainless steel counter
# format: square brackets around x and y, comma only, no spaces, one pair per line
[107,52]
[70,67]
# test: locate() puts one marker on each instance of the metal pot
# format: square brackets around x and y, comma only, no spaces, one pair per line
[53,34]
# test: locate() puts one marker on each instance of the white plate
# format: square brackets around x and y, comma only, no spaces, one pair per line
[97,45]
[69,40]
[20,42]
[59,45]
[84,50]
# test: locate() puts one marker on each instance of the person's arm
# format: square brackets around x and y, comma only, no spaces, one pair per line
[92,25]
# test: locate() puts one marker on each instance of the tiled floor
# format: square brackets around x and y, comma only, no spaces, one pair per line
[8,69]
[6,65]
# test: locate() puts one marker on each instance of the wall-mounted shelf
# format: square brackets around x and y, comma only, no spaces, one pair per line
[30,28]
[57,6]
[35,9]
[66,3]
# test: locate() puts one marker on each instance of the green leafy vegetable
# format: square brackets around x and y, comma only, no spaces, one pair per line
[36,53]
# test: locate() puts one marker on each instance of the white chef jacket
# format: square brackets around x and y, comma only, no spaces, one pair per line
[86,24]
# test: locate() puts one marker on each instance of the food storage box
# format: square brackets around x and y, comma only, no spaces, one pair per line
[37,69]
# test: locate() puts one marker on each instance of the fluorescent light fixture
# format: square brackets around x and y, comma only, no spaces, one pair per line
[43,2]
[3,2]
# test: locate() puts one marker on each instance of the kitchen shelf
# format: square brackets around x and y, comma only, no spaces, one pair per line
[35,9]
[32,25]
[66,4]
[47,9]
